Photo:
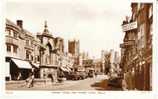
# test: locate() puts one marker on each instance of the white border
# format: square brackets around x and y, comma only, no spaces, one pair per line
[108,94]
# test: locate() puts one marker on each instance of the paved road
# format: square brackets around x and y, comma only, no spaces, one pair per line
[79,85]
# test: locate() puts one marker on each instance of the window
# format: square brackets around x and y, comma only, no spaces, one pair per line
[150,11]
[8,48]
[27,54]
[31,58]
[15,34]
[8,32]
[134,16]
[151,28]
[138,6]
[27,42]
[38,58]
[141,37]
[141,6]
[32,43]
[15,49]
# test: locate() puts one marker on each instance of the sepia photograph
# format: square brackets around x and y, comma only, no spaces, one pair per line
[64,45]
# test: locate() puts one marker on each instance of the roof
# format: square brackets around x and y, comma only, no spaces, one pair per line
[8,22]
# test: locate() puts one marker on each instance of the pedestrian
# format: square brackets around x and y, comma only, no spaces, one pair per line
[51,77]
[95,74]
[30,80]
[19,76]
[124,82]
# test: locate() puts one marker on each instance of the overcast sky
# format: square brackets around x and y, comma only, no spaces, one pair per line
[96,23]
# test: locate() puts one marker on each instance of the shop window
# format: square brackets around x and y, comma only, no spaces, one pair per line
[8,48]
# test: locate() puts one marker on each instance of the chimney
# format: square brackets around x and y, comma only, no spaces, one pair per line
[20,23]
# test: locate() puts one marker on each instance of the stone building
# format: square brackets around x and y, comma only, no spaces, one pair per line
[114,64]
[50,54]
[98,66]
[74,50]
[74,47]
[136,59]
[20,50]
[67,62]
[44,54]
[88,64]
[110,62]
[83,56]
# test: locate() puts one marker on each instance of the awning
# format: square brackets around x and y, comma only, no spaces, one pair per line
[68,68]
[90,68]
[22,64]
[65,69]
[36,65]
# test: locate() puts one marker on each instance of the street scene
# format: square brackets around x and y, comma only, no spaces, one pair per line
[78,46]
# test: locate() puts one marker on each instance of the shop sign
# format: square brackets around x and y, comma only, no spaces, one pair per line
[126,44]
[129,26]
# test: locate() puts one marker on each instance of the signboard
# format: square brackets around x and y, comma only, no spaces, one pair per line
[130,26]
[126,44]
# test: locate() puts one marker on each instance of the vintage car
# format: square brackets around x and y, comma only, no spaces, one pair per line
[73,76]
[115,82]
[91,73]
[82,74]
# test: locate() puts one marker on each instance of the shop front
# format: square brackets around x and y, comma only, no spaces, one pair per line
[18,69]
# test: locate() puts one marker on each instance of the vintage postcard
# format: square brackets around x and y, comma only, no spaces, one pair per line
[80,45]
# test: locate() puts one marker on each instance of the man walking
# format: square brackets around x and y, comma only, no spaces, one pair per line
[30,80]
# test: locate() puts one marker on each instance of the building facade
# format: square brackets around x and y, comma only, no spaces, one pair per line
[114,69]
[20,50]
[74,50]
[42,54]
[50,54]
[98,66]
[136,52]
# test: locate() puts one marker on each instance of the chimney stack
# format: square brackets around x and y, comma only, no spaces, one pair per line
[20,23]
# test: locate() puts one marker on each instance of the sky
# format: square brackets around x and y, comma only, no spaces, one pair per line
[95,23]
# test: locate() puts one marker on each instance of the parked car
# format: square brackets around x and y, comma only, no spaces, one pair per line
[82,74]
[73,76]
[115,82]
[91,73]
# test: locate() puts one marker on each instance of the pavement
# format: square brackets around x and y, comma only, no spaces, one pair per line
[89,84]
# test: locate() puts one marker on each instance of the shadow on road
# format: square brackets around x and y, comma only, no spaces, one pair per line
[103,86]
